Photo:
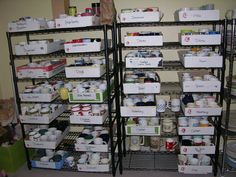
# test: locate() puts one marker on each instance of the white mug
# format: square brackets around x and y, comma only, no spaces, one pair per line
[175,105]
[136,142]
[161,105]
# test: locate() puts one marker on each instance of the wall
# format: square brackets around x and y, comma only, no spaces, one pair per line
[13,9]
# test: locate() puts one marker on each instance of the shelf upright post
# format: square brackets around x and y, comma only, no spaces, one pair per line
[16,92]
[229,85]
[109,101]
[121,86]
[117,93]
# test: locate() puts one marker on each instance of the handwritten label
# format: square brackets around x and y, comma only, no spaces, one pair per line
[85,96]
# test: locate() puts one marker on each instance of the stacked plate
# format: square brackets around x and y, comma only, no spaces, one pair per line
[231,153]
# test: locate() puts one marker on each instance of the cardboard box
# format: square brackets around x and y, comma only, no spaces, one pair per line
[93,168]
[200,62]
[197,149]
[136,62]
[84,47]
[141,111]
[28,25]
[12,157]
[7,111]
[92,147]
[74,22]
[207,111]
[85,71]
[143,130]
[46,144]
[98,97]
[197,15]
[43,119]
[40,72]
[40,48]
[38,97]
[136,88]
[143,40]
[199,85]
[130,17]
[50,165]
[194,169]
[196,130]
[200,39]
[74,119]
[60,7]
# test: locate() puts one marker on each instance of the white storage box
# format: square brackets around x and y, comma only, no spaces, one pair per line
[200,62]
[46,144]
[43,119]
[155,40]
[85,71]
[143,130]
[136,62]
[129,17]
[26,71]
[38,97]
[196,130]
[93,168]
[200,39]
[39,48]
[27,25]
[92,147]
[207,111]
[74,119]
[141,111]
[197,15]
[136,88]
[84,47]
[50,165]
[199,85]
[73,22]
[194,169]
[197,149]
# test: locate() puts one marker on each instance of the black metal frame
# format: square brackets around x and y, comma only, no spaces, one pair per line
[113,94]
[230,55]
[175,65]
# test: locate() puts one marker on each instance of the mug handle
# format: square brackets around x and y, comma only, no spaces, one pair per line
[142,141]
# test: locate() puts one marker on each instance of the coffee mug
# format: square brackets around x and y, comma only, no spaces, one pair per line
[136,142]
[161,105]
[170,144]
[155,143]
[168,125]
[175,105]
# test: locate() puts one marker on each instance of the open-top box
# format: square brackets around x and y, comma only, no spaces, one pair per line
[197,15]
[80,21]
[43,119]
[27,25]
[152,40]
[200,61]
[198,83]
[52,68]
[147,16]
[73,71]
[46,144]
[39,47]
[200,39]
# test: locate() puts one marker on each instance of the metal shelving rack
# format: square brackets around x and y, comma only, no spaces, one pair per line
[113,120]
[228,135]
[151,162]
